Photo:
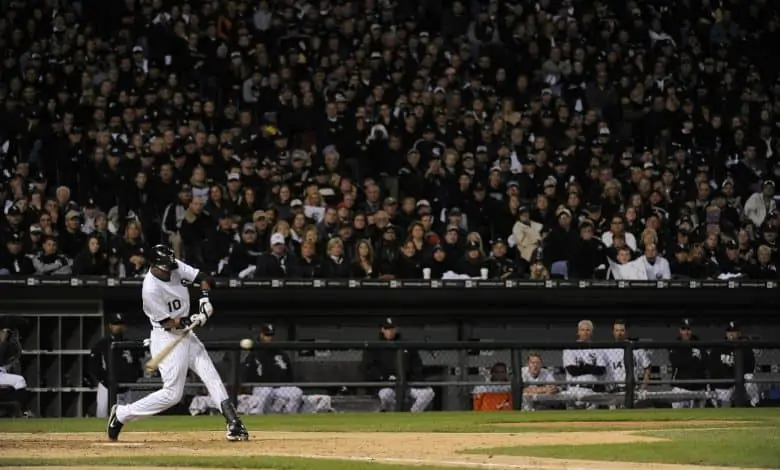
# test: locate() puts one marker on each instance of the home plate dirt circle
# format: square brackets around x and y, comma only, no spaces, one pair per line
[438,449]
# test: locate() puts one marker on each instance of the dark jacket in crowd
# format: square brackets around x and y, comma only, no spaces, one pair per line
[586,256]
[128,366]
[689,363]
[380,364]
[268,366]
[242,255]
[271,266]
[336,268]
[88,264]
[16,264]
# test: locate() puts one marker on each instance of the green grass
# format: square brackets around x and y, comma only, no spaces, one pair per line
[253,462]
[754,448]
[402,422]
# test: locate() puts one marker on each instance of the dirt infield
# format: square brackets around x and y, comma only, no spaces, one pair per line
[402,448]
[644,425]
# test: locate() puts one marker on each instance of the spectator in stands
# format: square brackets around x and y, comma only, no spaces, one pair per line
[276,263]
[380,366]
[50,262]
[93,260]
[14,261]
[657,266]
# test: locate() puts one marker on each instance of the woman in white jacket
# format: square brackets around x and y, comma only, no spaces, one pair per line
[759,204]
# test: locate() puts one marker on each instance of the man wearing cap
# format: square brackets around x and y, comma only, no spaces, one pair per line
[269,366]
[275,264]
[14,261]
[128,367]
[501,266]
[721,363]
[761,203]
[245,253]
[72,240]
[380,366]
[688,363]
[729,262]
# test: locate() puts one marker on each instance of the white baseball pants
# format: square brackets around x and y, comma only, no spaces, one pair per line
[189,354]
[422,398]
[101,409]
[14,381]
[686,403]
[723,396]
[261,403]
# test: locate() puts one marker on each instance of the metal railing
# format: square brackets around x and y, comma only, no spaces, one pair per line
[625,390]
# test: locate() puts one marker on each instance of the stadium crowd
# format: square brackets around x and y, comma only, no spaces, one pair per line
[382,138]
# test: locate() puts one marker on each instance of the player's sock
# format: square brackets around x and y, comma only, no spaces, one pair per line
[228,411]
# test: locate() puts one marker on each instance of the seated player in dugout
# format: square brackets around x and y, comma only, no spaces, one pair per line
[536,381]
[380,366]
[497,394]
[269,366]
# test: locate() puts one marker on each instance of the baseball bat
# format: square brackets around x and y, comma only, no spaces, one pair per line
[154,362]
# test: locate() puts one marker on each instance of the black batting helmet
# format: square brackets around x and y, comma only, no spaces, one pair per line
[162,257]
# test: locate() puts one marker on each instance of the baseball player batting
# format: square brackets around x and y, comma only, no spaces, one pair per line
[166,301]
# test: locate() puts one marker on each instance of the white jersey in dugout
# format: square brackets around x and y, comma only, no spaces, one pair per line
[544,376]
[574,357]
[616,367]
[168,299]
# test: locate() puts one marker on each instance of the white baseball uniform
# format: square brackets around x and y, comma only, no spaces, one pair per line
[163,300]
[574,357]
[616,368]
[529,380]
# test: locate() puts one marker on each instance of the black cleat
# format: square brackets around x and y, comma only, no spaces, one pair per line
[236,431]
[114,425]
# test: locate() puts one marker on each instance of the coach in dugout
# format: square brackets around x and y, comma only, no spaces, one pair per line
[128,368]
[688,363]
[584,367]
[721,363]
[380,366]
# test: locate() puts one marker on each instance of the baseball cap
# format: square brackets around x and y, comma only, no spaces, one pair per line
[732,326]
[249,228]
[268,330]
[296,203]
[686,324]
[258,215]
[116,319]
[389,323]
[234,177]
[14,210]
[72,215]
[277,239]
[473,246]
[732,245]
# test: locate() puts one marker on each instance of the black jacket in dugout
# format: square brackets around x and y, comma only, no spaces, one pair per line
[689,363]
[380,364]
[128,366]
[268,366]
[721,363]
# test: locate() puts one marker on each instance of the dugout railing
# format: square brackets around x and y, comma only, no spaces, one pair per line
[621,393]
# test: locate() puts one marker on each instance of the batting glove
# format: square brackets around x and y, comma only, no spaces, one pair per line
[205,307]
[147,342]
[199,319]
